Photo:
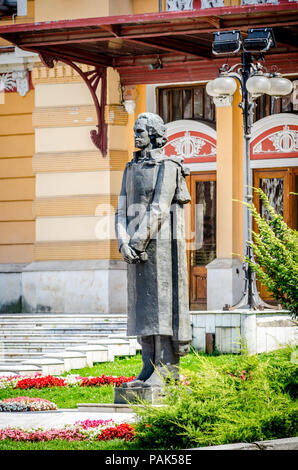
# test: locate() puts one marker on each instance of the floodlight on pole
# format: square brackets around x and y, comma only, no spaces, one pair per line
[254,81]
[259,40]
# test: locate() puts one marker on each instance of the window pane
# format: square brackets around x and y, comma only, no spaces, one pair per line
[286,104]
[187,108]
[185,103]
[208,107]
[295,95]
[275,105]
[205,222]
[176,105]
[198,103]
[267,105]
[164,105]
[274,188]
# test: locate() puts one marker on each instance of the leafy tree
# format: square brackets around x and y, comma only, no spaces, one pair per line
[275,248]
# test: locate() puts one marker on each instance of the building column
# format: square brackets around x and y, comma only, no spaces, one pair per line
[224,274]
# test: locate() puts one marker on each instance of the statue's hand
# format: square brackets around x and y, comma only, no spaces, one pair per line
[128,254]
[181,347]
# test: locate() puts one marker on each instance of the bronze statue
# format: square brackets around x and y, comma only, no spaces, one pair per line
[150,229]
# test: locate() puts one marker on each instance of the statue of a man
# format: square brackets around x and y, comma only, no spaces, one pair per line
[150,229]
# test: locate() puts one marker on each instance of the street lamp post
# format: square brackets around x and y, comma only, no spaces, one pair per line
[254,81]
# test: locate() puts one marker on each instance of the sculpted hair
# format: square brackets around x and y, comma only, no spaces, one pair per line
[156,128]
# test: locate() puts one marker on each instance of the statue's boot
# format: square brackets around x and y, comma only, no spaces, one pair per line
[166,362]
[147,343]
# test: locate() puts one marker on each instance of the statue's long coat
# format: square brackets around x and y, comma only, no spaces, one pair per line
[150,217]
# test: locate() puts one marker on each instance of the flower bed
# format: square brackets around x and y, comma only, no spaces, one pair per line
[26,404]
[39,381]
[81,431]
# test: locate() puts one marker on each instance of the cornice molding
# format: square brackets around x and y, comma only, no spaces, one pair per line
[61,73]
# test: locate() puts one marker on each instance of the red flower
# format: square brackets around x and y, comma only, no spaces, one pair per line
[122,431]
[105,380]
[41,382]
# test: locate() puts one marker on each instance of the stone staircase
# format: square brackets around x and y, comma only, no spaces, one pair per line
[52,343]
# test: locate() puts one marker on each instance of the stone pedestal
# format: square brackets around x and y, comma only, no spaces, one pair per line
[224,282]
[249,331]
[133,395]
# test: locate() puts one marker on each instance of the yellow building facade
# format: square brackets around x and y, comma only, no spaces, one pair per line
[58,194]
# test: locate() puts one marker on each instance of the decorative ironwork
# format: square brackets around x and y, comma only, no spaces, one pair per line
[48,61]
[92,78]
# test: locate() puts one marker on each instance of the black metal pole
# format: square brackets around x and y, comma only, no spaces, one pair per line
[250,298]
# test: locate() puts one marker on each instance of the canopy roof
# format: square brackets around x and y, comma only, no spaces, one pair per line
[178,43]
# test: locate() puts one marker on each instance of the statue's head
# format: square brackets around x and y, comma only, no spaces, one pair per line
[150,131]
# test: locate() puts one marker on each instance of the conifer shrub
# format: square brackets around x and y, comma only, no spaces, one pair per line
[222,405]
[275,248]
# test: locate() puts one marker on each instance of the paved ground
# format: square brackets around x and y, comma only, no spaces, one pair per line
[55,419]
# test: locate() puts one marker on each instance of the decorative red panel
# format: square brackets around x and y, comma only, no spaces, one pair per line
[277,142]
[193,146]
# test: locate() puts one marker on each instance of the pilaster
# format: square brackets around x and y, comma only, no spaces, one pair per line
[224,274]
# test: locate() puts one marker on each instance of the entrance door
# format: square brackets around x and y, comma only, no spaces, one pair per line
[278,184]
[203,229]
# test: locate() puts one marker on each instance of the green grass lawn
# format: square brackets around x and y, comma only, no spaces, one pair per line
[115,444]
[219,407]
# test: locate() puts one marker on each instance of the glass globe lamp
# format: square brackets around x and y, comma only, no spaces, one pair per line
[279,86]
[221,86]
[257,85]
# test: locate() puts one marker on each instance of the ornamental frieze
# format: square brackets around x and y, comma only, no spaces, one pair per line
[282,141]
[192,146]
[15,82]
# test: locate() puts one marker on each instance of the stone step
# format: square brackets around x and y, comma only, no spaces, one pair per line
[132,339]
[38,346]
[20,369]
[61,325]
[29,335]
[12,362]
[54,343]
[66,329]
[120,347]
[18,342]
[6,317]
[48,365]
[109,407]
[42,335]
[37,349]
[18,357]
[94,353]
[71,359]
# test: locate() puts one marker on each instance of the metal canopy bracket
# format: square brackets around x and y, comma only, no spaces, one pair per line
[92,78]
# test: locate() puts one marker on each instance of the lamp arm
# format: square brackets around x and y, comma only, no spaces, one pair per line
[239,78]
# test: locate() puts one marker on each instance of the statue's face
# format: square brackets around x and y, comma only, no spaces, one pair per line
[142,139]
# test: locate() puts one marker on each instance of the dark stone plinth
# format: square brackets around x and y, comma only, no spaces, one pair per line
[133,395]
